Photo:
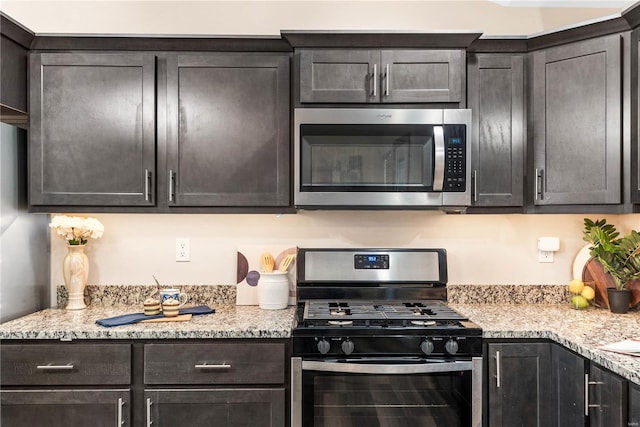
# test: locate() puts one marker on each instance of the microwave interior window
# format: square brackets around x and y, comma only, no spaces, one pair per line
[367,157]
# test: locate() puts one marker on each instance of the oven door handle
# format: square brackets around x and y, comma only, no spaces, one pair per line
[353,367]
[439,158]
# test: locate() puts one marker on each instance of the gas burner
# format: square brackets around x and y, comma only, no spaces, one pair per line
[340,312]
[423,322]
[340,322]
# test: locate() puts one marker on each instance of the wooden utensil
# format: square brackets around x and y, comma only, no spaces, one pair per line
[286,262]
[267,262]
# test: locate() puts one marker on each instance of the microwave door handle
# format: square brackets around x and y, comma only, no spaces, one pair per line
[439,158]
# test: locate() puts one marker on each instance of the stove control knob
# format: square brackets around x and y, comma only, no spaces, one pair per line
[451,346]
[347,346]
[323,346]
[427,346]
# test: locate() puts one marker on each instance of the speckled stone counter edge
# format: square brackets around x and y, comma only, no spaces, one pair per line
[97,295]
[507,294]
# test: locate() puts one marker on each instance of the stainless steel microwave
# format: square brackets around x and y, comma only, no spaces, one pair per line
[376,158]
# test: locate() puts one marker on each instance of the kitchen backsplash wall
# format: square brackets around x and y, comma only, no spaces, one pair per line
[482,249]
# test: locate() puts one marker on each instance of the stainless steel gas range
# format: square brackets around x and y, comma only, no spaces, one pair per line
[375,343]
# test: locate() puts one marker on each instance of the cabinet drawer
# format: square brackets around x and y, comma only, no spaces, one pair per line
[218,363]
[65,364]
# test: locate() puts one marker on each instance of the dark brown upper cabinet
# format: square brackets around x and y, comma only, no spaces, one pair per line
[227,130]
[495,94]
[576,123]
[92,133]
[388,76]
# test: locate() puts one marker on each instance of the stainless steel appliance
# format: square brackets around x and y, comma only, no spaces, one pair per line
[382,158]
[375,343]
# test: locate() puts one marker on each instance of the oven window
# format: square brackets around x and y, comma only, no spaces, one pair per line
[366,157]
[358,400]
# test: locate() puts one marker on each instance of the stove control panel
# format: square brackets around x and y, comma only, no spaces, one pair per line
[371,261]
[371,345]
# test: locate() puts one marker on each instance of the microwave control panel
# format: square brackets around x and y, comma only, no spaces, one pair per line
[455,164]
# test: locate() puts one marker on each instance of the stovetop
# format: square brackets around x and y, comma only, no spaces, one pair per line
[424,313]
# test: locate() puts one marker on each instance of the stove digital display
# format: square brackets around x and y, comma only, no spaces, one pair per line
[371,261]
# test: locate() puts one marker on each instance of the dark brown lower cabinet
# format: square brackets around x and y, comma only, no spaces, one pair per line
[634,405]
[65,408]
[607,398]
[519,384]
[208,407]
[568,372]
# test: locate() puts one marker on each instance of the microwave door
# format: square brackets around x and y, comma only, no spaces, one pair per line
[438,158]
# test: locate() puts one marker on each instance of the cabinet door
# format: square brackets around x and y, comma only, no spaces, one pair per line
[496,96]
[519,384]
[422,75]
[65,408]
[92,133]
[576,99]
[222,408]
[607,398]
[341,75]
[635,116]
[228,130]
[634,405]
[568,382]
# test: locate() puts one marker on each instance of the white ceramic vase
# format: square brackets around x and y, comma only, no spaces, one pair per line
[75,269]
[273,290]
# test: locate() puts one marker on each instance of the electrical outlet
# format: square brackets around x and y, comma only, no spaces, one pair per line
[545,256]
[183,251]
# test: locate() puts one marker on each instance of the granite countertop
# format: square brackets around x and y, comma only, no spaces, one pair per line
[582,331]
[229,321]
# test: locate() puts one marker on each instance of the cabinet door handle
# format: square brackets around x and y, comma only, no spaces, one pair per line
[120,422]
[149,422]
[588,383]
[539,185]
[475,186]
[586,394]
[498,381]
[171,185]
[375,80]
[67,367]
[147,185]
[387,76]
[218,366]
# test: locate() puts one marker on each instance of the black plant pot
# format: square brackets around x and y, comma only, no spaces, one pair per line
[619,300]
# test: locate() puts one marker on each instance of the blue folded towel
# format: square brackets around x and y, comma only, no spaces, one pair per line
[127,319]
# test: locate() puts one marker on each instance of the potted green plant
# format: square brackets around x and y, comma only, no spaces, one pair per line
[619,256]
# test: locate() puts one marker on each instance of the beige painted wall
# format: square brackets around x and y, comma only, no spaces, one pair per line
[486,249]
[269,17]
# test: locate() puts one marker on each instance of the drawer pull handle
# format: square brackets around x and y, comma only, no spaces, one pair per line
[149,421]
[207,366]
[67,367]
[120,421]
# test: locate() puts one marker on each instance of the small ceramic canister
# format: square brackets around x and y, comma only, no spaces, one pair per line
[170,307]
[151,307]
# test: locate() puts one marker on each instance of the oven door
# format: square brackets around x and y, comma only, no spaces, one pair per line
[390,392]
